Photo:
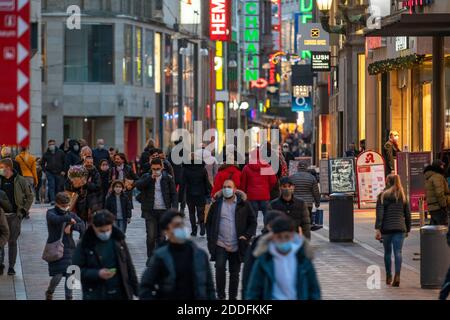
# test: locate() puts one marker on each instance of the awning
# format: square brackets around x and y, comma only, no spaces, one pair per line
[412,25]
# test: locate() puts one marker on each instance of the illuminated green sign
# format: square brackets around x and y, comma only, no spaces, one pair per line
[251,40]
[306,10]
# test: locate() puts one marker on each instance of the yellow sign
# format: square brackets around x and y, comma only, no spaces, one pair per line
[315,33]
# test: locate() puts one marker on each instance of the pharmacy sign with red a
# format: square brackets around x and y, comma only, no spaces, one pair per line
[15,68]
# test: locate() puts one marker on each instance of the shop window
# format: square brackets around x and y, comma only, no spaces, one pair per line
[89,54]
[138,57]
[127,64]
[149,57]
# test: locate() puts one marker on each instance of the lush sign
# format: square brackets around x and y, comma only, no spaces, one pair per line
[251,40]
[320,61]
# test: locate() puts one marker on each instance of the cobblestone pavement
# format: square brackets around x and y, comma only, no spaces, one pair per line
[341,267]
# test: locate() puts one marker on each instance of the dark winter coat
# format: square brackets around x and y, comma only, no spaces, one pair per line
[5,206]
[81,207]
[436,187]
[262,276]
[390,151]
[297,210]
[159,279]
[195,184]
[106,183]
[392,215]
[226,172]
[99,155]
[245,225]
[87,258]
[111,205]
[56,221]
[306,187]
[255,183]
[146,185]
[94,190]
[72,157]
[53,162]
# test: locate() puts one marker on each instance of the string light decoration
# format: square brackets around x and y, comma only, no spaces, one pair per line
[400,63]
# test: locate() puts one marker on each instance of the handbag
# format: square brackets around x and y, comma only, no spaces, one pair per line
[54,251]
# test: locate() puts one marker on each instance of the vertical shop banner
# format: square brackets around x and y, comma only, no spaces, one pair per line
[219,20]
[15,45]
[342,175]
[370,178]
[417,161]
[251,40]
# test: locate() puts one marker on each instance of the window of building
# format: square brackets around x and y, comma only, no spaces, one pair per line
[44,53]
[138,57]
[149,56]
[89,54]
[127,71]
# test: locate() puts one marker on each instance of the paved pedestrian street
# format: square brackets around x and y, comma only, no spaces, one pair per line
[341,267]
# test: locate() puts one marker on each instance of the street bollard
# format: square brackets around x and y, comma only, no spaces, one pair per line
[341,218]
[435,256]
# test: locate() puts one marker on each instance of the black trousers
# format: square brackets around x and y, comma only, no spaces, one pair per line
[439,217]
[199,219]
[154,232]
[234,265]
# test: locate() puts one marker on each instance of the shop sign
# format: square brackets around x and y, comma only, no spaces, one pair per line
[312,37]
[371,178]
[304,16]
[342,175]
[320,61]
[251,40]
[220,20]
[411,4]
[301,104]
[401,43]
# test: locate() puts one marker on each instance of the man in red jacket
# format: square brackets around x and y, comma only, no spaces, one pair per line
[257,184]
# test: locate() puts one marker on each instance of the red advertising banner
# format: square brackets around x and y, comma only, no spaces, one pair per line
[15,65]
[220,20]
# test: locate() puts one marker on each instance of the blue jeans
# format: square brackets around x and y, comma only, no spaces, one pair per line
[54,185]
[393,240]
[260,205]
[122,225]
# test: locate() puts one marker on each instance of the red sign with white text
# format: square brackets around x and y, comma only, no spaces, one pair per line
[15,67]
[220,20]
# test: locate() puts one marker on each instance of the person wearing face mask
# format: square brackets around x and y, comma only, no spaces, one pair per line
[283,269]
[53,166]
[6,153]
[105,175]
[118,203]
[179,270]
[157,194]
[288,156]
[60,224]
[390,150]
[230,225]
[107,270]
[93,186]
[73,155]
[100,152]
[20,196]
[293,207]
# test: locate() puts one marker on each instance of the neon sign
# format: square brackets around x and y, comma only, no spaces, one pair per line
[220,20]
[251,40]
[305,16]
[416,3]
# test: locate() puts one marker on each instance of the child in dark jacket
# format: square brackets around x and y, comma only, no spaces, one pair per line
[118,203]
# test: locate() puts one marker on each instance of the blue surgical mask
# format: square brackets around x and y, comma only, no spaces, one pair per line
[284,247]
[104,236]
[228,193]
[180,234]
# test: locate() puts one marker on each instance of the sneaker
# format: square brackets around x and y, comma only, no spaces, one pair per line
[11,271]
[2,269]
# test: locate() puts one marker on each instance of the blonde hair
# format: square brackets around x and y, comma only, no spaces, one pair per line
[393,188]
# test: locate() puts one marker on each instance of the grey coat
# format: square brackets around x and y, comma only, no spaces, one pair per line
[306,187]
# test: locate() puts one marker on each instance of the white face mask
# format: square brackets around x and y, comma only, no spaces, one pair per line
[104,236]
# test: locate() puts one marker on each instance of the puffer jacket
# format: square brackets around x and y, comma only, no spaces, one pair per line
[436,187]
[226,171]
[27,164]
[256,183]
[392,215]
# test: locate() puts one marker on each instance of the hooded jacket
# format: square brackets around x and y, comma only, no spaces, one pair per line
[225,172]
[262,277]
[436,187]
[89,261]
[256,183]
[72,157]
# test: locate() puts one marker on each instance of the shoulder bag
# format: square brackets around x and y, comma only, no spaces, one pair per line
[54,251]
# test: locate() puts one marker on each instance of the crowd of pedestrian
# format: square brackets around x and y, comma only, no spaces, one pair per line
[91,192]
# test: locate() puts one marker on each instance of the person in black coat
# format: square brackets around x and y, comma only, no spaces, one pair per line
[105,175]
[94,185]
[73,155]
[100,153]
[118,203]
[177,173]
[293,207]
[178,270]
[195,185]
[61,223]
[121,170]
[52,164]
[228,241]
[144,159]
[157,194]
[107,270]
